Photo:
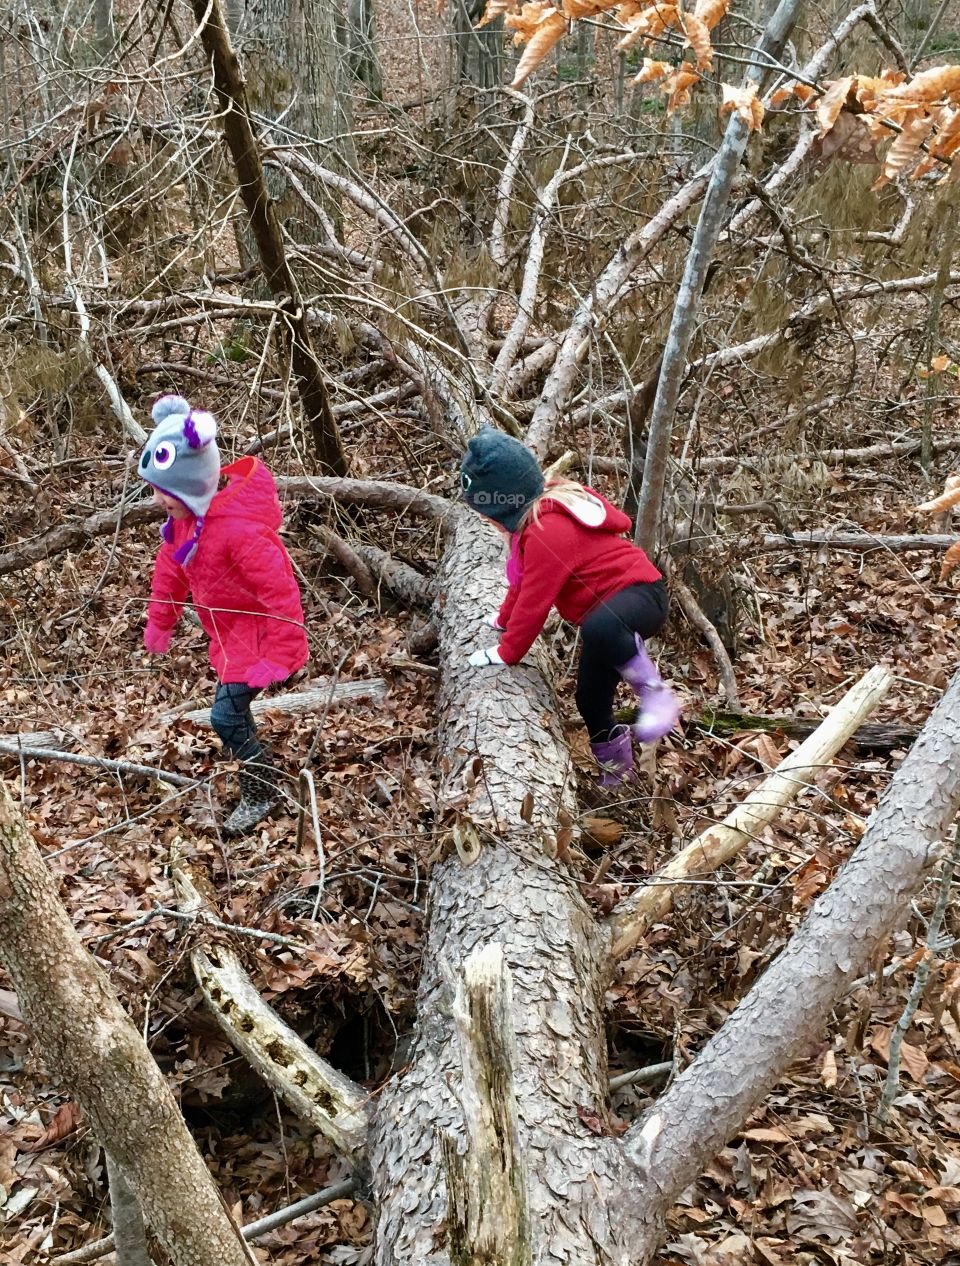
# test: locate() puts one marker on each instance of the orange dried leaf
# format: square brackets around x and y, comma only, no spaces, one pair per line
[939,364]
[698,37]
[648,24]
[904,153]
[833,101]
[709,12]
[678,86]
[947,499]
[950,560]
[574,9]
[935,84]
[496,9]
[744,102]
[540,27]
[651,71]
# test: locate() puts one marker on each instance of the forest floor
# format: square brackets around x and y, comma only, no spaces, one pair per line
[808,1180]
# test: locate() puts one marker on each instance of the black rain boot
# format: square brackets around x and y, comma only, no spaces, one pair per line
[259,794]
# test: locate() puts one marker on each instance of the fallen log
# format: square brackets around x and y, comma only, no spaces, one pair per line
[873,736]
[788,1008]
[316,1091]
[722,841]
[321,694]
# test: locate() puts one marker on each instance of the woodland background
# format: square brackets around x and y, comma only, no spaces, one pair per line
[127,269]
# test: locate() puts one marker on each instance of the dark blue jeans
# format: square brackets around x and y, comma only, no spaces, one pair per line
[232,719]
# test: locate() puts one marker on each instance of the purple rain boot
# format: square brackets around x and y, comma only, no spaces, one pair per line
[659,710]
[615,757]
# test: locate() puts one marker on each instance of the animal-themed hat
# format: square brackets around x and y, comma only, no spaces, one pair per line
[181,458]
[500,478]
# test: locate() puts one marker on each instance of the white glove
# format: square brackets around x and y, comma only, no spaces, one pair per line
[488,657]
[494,622]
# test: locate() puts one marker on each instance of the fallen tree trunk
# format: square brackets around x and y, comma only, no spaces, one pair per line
[514,893]
[872,736]
[90,1044]
[320,695]
[788,1007]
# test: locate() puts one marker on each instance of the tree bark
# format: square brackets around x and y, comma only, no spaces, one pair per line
[518,894]
[90,1044]
[294,327]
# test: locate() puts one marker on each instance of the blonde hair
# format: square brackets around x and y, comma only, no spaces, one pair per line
[565,492]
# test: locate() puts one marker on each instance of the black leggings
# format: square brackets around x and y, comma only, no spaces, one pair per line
[608,642]
[232,719]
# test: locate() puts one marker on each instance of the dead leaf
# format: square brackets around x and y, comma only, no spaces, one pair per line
[63,1122]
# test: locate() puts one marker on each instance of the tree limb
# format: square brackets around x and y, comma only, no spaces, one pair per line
[788,1007]
[316,1091]
[722,841]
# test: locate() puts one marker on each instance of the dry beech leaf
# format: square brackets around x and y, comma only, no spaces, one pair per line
[929,85]
[574,9]
[939,364]
[833,101]
[904,153]
[648,24]
[745,102]
[678,85]
[496,9]
[651,71]
[950,560]
[64,1121]
[849,139]
[709,12]
[698,37]
[948,498]
[540,27]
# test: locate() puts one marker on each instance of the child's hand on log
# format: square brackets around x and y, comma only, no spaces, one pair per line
[487,657]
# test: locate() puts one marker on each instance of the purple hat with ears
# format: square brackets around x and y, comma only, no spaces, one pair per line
[181,457]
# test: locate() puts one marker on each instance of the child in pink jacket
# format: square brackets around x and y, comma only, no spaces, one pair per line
[221,549]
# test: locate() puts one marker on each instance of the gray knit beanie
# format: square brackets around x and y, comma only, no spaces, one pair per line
[181,457]
[500,478]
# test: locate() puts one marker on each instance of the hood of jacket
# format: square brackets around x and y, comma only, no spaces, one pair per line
[250,494]
[594,512]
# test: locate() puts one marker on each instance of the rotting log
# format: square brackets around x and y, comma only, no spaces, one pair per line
[872,736]
[312,1088]
[320,694]
[721,842]
[487,1183]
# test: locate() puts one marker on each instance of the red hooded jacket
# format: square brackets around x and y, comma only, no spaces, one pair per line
[240,580]
[571,559]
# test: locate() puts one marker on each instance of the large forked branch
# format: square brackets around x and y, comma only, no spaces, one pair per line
[788,1007]
[487,1185]
[721,842]
[316,1091]
[687,304]
[242,142]
[90,1044]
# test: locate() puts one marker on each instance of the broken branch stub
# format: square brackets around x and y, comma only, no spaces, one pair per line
[313,1089]
[722,841]
[487,1199]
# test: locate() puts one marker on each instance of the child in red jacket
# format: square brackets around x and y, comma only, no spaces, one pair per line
[567,550]
[221,548]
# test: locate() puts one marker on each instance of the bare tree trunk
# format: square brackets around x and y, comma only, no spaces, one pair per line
[90,1044]
[515,893]
[362,34]
[687,303]
[295,329]
[129,1234]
